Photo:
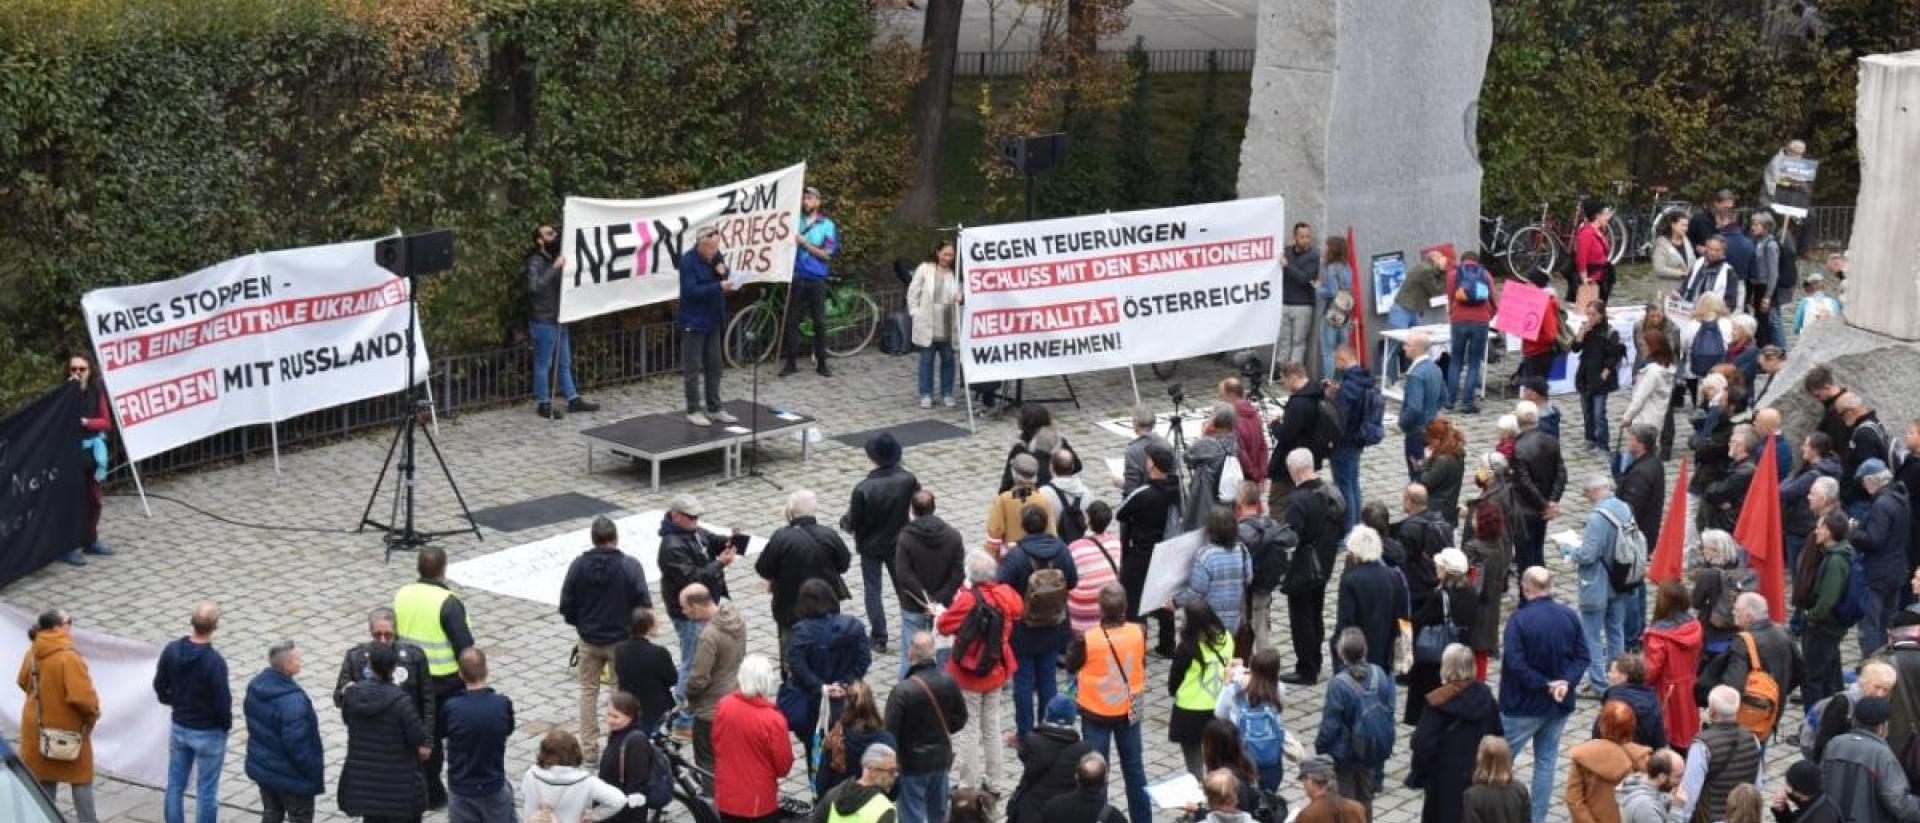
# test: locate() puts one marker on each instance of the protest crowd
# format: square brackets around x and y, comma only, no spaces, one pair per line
[1720,570]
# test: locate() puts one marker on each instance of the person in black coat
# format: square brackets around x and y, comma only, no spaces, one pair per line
[1087,803]
[1143,518]
[1724,498]
[802,550]
[386,742]
[1446,743]
[1319,525]
[627,761]
[1372,598]
[1627,679]
[1294,429]
[1643,485]
[1539,473]
[875,515]
[1454,602]
[1049,756]
[645,671]
[1424,534]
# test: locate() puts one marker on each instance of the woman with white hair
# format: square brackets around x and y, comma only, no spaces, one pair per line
[1453,609]
[1506,430]
[1372,598]
[1460,712]
[1719,574]
[750,737]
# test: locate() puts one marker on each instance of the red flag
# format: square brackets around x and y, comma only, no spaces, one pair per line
[1357,330]
[1670,554]
[1759,530]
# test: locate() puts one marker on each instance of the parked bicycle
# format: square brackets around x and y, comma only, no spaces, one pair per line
[1533,250]
[689,780]
[853,316]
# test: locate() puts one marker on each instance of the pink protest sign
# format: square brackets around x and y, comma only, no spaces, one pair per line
[1523,307]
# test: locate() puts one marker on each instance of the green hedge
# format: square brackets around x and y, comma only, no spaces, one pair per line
[143,139]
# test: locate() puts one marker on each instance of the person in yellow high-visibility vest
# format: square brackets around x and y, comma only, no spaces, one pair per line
[863,799]
[430,615]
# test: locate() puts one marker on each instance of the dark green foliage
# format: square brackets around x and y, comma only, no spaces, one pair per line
[1208,179]
[1138,171]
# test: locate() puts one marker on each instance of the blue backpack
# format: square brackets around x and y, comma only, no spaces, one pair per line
[1370,741]
[1471,285]
[1709,349]
[1262,735]
[1373,415]
[1853,605]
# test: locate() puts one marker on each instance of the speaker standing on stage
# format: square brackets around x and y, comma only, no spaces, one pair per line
[550,339]
[701,320]
[819,241]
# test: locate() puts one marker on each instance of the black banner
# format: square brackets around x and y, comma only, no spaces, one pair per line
[43,502]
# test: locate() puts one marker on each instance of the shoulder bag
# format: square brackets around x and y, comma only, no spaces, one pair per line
[55,744]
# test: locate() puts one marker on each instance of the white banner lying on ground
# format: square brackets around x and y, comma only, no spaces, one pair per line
[1115,290]
[131,740]
[622,254]
[535,571]
[256,339]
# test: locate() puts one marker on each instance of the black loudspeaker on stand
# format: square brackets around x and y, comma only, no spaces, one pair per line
[752,341]
[412,257]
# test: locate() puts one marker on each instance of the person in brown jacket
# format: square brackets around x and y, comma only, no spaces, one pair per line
[65,701]
[1601,764]
[1324,803]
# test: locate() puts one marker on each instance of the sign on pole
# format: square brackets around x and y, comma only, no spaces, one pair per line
[1109,291]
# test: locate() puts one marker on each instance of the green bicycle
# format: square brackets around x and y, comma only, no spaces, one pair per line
[753,335]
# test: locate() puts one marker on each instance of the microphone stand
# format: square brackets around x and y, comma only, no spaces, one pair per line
[752,340]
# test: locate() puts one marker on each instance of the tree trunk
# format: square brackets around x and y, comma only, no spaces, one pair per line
[940,46]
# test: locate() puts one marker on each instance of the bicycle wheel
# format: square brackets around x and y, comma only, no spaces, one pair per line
[1617,235]
[852,320]
[1531,253]
[752,335]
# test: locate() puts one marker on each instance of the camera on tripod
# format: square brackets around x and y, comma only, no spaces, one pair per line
[1176,394]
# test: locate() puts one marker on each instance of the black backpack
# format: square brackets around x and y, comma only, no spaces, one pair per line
[1072,524]
[1329,429]
[659,772]
[984,629]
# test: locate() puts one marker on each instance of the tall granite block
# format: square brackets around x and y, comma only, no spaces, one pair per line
[1363,115]
[1883,260]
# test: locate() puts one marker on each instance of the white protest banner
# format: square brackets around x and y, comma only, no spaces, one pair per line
[256,339]
[1114,290]
[1172,563]
[130,741]
[622,254]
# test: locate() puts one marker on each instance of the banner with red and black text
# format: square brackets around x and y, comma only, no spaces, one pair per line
[1110,291]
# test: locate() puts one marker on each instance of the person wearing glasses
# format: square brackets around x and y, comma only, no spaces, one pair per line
[95,421]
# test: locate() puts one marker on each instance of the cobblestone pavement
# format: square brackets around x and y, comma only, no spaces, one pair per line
[316,586]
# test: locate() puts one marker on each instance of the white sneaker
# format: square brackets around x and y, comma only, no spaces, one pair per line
[723,417]
[699,419]
[947,401]
[926,402]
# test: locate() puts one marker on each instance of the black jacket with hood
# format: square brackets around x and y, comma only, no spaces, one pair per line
[603,587]
[928,563]
[1048,757]
[381,776]
[880,504]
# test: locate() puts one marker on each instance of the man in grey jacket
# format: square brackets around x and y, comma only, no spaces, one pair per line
[550,340]
[1653,796]
[1861,773]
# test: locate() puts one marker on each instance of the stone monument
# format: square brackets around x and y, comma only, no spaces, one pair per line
[1874,351]
[1363,115]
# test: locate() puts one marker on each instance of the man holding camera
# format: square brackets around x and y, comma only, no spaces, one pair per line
[819,241]
[701,321]
[550,339]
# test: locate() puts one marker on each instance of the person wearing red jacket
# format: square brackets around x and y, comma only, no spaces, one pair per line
[1537,354]
[1591,251]
[981,674]
[1673,662]
[95,421]
[1246,429]
[750,736]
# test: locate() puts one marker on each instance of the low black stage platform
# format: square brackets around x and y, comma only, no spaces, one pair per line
[656,438]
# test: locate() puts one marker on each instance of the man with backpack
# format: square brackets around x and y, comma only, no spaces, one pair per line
[1761,663]
[1828,608]
[1423,396]
[1316,513]
[1903,653]
[1213,466]
[1041,569]
[1362,411]
[1612,559]
[1471,304]
[981,624]
[1067,497]
[1294,428]
[1220,572]
[1866,439]
[1543,654]
[1832,716]
[1356,726]
[1271,544]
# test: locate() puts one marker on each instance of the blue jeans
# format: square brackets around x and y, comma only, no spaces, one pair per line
[1346,478]
[201,752]
[689,633]
[1781,298]
[923,797]
[1330,338]
[1399,318]
[547,337]
[1612,621]
[1133,766]
[874,586]
[943,348]
[1544,734]
[1034,683]
[1636,616]
[1468,352]
[1593,410]
[1416,452]
[1883,602]
[496,808]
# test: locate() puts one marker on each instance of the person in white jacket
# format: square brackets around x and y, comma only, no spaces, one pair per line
[933,301]
[1653,386]
[558,786]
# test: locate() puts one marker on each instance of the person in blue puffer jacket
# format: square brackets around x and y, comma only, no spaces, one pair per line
[284,754]
[829,651]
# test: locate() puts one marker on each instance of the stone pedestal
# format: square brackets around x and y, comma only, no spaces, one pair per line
[1883,260]
[1883,370]
[1363,115]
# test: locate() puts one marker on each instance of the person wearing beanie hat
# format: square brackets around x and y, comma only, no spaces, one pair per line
[1324,803]
[1804,801]
[1881,538]
[1004,526]
[875,515]
[1861,773]
[1144,517]
[1049,756]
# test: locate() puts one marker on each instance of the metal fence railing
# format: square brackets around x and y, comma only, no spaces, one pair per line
[461,383]
[1168,61]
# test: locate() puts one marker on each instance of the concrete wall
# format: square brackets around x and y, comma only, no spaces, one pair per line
[1363,114]
[1883,260]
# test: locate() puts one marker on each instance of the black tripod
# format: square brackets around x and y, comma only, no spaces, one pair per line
[399,526]
[752,340]
[1177,420]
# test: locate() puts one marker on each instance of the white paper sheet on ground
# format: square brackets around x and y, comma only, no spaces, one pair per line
[1191,419]
[130,741]
[1171,566]
[1177,792]
[535,571]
